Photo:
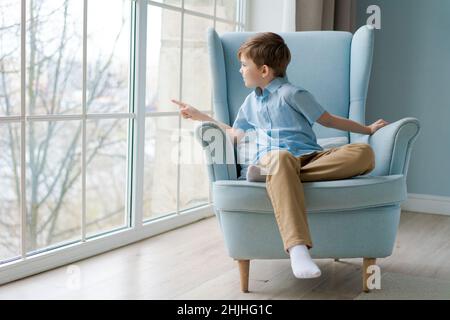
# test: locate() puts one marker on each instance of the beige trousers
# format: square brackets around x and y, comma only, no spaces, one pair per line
[286,172]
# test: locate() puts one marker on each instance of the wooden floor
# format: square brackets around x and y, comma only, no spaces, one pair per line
[191,263]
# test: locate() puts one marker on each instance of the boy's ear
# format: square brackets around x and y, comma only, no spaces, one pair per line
[265,70]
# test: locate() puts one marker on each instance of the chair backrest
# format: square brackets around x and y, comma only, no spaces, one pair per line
[333,65]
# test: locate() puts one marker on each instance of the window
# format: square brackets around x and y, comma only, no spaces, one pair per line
[75,107]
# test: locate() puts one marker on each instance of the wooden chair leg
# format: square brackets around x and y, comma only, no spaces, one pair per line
[244,271]
[367,262]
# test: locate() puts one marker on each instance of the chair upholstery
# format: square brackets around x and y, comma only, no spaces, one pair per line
[348,218]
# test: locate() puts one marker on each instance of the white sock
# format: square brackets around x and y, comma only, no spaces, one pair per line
[254,174]
[302,264]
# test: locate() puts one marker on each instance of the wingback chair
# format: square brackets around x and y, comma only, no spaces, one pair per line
[349,218]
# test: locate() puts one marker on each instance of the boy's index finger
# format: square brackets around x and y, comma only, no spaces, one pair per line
[179,103]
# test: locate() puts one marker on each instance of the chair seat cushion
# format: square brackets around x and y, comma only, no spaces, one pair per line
[346,194]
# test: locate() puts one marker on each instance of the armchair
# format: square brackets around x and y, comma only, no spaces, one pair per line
[349,218]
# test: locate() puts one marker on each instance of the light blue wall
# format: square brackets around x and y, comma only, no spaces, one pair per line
[411,77]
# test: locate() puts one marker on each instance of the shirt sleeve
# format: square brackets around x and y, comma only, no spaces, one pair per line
[241,121]
[304,102]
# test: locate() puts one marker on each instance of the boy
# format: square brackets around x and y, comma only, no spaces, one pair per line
[278,108]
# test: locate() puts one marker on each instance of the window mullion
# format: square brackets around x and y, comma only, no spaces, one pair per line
[83,135]
[23,205]
[180,98]
[212,101]
[131,122]
[139,109]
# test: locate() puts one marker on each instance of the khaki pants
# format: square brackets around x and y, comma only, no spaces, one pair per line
[285,174]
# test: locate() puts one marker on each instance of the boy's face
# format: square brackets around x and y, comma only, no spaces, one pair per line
[253,75]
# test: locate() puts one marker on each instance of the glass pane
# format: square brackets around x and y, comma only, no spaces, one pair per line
[108,60]
[54,56]
[9,57]
[10,217]
[203,6]
[194,184]
[227,9]
[53,183]
[106,175]
[196,73]
[160,166]
[225,27]
[163,59]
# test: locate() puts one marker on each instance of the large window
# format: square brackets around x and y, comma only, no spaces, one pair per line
[90,145]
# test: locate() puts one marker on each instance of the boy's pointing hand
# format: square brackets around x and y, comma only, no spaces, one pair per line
[184,109]
[189,112]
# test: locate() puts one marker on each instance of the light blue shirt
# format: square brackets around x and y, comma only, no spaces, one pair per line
[278,117]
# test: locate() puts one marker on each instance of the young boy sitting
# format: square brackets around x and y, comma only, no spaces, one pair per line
[285,111]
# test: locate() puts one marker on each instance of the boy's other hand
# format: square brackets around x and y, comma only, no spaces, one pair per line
[380,123]
[189,112]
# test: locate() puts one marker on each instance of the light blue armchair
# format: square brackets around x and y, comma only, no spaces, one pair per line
[350,218]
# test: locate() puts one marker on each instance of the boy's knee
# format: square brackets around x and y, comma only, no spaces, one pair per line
[369,153]
[285,155]
[276,159]
[367,156]
[279,155]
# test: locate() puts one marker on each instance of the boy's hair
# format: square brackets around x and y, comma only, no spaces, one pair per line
[267,48]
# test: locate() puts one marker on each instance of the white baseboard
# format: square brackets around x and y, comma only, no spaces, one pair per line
[427,204]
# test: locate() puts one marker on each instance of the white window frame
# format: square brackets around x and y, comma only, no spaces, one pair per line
[137,229]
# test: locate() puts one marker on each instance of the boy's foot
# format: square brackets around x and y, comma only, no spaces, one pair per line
[254,174]
[302,264]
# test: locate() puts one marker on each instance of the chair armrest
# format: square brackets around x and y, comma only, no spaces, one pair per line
[392,145]
[219,151]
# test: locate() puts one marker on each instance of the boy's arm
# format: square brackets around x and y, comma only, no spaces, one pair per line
[340,123]
[236,134]
[189,112]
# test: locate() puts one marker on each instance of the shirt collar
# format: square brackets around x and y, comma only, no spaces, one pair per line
[271,87]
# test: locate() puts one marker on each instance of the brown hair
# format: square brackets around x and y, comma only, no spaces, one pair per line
[267,48]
